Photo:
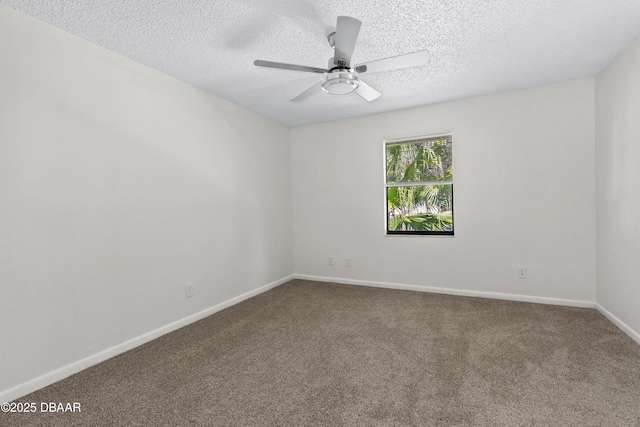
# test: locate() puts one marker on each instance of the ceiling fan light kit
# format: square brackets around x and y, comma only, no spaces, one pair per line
[340,83]
[340,78]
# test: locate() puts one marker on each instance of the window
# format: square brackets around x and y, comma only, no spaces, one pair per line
[419,185]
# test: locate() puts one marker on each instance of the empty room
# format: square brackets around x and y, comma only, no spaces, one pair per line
[332,213]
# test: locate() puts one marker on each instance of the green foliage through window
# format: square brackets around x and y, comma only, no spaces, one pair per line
[419,181]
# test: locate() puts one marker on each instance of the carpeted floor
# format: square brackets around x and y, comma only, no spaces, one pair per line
[310,353]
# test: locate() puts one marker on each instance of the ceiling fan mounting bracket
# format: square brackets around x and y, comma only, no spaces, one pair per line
[331,38]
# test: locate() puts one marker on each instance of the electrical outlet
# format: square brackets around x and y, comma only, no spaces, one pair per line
[522,272]
[347,262]
[330,260]
[188,290]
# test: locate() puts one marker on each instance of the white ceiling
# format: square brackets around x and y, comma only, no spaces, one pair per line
[477,47]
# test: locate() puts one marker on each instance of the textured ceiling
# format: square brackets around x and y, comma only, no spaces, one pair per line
[477,47]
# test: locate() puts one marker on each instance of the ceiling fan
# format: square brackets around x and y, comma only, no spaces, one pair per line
[340,78]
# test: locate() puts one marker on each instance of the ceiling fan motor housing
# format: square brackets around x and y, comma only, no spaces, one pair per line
[340,83]
[340,64]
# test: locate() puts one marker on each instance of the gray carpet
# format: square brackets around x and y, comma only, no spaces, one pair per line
[310,353]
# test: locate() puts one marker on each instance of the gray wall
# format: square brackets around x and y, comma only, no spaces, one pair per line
[118,186]
[618,186]
[524,195]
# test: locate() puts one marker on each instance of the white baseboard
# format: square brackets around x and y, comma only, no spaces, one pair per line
[450,291]
[619,323]
[80,365]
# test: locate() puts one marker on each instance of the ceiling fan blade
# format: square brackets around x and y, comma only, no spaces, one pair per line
[308,93]
[367,92]
[347,31]
[293,67]
[396,62]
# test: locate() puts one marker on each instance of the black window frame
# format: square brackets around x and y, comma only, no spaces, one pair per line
[387,185]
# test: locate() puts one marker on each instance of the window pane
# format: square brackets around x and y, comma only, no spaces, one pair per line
[426,208]
[420,161]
